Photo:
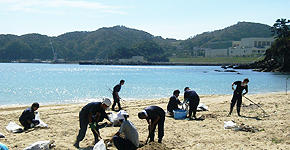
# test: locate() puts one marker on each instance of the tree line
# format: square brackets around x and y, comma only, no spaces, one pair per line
[118,42]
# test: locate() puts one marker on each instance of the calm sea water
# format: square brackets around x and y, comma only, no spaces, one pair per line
[23,84]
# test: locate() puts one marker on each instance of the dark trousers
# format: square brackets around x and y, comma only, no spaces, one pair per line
[123,144]
[160,124]
[193,103]
[26,125]
[237,98]
[84,121]
[116,101]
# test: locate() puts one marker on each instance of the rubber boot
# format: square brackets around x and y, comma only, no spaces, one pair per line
[238,111]
[76,144]
[231,110]
[159,140]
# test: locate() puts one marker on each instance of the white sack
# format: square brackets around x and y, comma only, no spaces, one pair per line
[14,128]
[100,145]
[229,125]
[202,107]
[113,118]
[39,145]
[2,135]
[41,124]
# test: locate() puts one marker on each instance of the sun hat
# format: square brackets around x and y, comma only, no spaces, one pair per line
[121,114]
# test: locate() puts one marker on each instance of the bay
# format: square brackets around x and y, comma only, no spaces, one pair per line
[25,83]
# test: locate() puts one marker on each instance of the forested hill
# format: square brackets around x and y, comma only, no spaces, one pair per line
[106,42]
[231,33]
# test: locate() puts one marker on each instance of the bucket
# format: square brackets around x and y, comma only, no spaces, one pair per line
[179,114]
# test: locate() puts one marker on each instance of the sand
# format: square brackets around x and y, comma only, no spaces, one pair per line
[271,131]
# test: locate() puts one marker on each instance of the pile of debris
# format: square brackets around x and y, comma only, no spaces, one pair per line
[242,127]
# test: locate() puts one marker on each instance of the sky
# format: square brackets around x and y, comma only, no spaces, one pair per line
[178,19]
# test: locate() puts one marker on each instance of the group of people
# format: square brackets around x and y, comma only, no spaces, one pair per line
[192,99]
[94,112]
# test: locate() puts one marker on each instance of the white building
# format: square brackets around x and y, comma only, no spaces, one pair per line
[246,47]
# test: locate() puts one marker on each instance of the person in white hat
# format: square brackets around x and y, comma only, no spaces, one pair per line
[91,114]
[131,140]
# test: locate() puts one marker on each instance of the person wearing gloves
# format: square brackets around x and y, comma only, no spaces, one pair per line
[193,98]
[91,114]
[173,102]
[154,116]
[27,118]
[238,93]
[131,140]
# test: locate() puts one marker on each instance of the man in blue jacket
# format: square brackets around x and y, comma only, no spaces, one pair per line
[27,118]
[173,102]
[193,98]
[154,116]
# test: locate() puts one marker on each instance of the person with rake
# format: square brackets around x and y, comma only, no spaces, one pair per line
[238,93]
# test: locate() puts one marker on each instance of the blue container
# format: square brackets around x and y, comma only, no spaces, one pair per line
[179,114]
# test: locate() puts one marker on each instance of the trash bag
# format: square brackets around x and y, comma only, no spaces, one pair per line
[202,107]
[229,125]
[100,145]
[113,119]
[14,128]
[41,145]
[2,135]
[41,124]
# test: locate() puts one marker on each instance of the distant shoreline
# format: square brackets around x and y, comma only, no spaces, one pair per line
[135,63]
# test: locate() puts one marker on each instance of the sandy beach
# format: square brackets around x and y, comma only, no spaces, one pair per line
[272,131]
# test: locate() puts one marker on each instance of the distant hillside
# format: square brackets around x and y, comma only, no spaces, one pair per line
[105,42]
[231,33]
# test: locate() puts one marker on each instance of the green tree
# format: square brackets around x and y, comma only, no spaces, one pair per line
[280,28]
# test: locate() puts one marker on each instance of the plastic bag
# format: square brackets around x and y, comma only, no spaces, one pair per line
[113,118]
[14,128]
[41,124]
[100,145]
[40,145]
[229,125]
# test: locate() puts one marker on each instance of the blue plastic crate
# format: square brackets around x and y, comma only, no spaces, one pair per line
[179,114]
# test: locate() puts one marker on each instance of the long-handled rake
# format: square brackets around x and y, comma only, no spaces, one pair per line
[265,114]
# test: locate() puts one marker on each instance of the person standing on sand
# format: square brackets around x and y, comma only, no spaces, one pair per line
[131,140]
[238,93]
[116,97]
[193,98]
[27,118]
[154,116]
[173,102]
[91,114]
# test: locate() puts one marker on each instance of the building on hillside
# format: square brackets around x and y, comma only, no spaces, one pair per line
[246,47]
[251,47]
[135,59]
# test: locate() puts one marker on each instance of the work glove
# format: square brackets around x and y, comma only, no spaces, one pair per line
[93,126]
[31,125]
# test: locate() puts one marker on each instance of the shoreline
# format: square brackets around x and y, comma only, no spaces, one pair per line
[47,104]
[273,131]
